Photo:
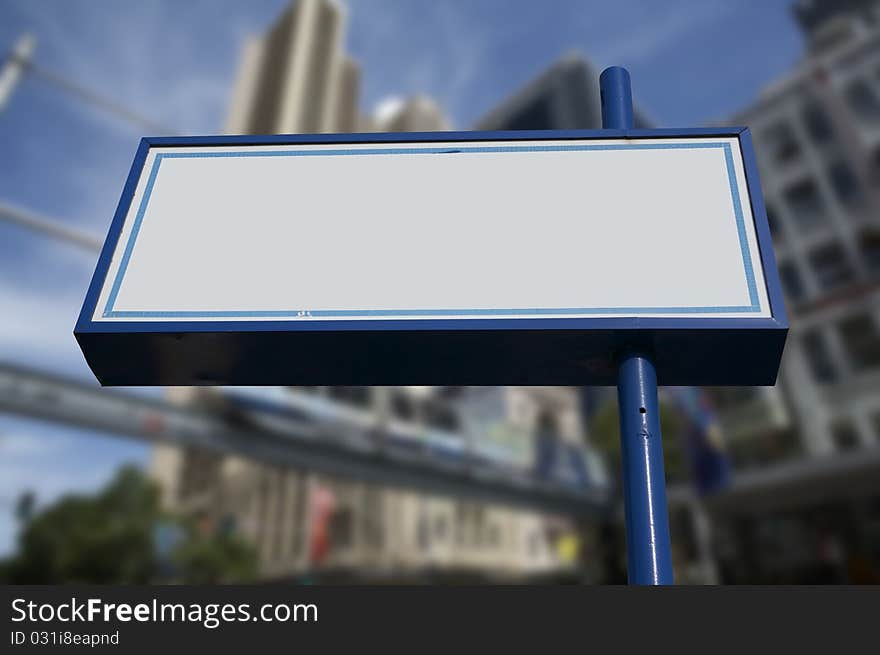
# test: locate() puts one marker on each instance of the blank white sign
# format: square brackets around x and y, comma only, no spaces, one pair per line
[464,230]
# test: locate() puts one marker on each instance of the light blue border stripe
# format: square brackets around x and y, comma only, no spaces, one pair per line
[440,151]
[741,228]
[129,246]
[321,313]
[109,312]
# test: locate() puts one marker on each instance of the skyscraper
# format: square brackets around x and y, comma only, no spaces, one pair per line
[296,78]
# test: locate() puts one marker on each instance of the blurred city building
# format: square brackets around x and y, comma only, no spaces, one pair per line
[805,453]
[828,23]
[296,78]
[806,500]
[803,503]
[564,97]
[305,523]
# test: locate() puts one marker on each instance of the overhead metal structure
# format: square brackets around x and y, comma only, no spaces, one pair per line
[310,446]
[48,227]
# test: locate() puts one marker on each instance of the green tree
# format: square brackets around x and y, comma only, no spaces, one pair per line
[218,558]
[109,538]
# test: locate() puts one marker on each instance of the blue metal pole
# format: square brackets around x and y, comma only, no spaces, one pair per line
[648,552]
[617,102]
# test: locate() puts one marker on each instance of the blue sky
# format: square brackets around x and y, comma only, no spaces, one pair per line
[692,62]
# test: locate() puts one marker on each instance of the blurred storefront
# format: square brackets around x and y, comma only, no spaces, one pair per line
[306,525]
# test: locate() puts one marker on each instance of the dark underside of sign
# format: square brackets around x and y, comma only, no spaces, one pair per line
[698,357]
[724,348]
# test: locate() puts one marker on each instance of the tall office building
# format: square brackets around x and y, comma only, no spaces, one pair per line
[296,78]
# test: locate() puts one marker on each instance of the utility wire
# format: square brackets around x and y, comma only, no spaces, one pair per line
[94,98]
[49,227]
[18,61]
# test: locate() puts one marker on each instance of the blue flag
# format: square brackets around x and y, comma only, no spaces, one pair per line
[703,439]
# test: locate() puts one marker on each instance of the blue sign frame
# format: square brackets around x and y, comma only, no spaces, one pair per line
[576,350]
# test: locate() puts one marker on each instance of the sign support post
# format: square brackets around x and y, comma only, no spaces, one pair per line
[649,557]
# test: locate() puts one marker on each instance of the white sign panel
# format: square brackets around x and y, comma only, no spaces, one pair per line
[658,227]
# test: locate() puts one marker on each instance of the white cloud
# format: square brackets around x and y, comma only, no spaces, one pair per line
[386,108]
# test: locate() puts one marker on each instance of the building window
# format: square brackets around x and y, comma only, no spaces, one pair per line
[775,228]
[831,266]
[403,405]
[875,167]
[478,527]
[732,396]
[861,341]
[493,536]
[875,422]
[469,525]
[844,182]
[817,123]
[358,396]
[863,101]
[372,512]
[844,435]
[766,448]
[534,543]
[806,204]
[299,516]
[423,535]
[818,357]
[451,393]
[441,528]
[441,416]
[341,530]
[781,144]
[792,284]
[869,247]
